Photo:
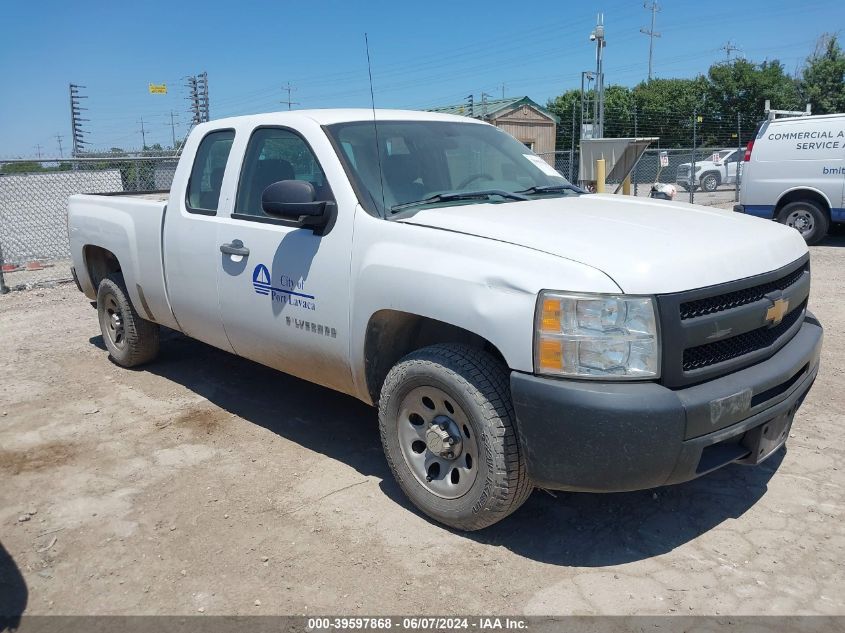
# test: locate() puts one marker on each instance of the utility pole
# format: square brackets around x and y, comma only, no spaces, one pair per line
[654,8]
[143,135]
[76,120]
[59,140]
[38,151]
[588,111]
[729,48]
[287,87]
[503,91]
[172,125]
[597,36]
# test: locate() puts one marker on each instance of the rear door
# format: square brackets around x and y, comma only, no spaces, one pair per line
[285,302]
[190,240]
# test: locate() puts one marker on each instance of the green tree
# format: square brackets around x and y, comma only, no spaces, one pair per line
[665,109]
[27,167]
[822,81]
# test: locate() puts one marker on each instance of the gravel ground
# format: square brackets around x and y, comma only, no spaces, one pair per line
[206,483]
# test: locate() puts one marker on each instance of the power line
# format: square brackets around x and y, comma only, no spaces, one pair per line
[289,89]
[654,8]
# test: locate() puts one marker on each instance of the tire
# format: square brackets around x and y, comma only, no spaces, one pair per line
[808,218]
[131,340]
[460,394]
[710,182]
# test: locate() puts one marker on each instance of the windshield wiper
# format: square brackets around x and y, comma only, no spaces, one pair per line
[460,195]
[552,189]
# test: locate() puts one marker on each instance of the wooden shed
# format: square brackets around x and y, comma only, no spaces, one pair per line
[521,117]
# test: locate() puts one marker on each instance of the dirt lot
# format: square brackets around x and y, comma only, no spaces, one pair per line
[205,483]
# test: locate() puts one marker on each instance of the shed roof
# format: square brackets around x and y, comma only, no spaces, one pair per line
[495,108]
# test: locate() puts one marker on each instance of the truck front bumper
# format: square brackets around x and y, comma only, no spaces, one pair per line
[612,437]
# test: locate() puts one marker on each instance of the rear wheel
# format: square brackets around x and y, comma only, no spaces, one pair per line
[130,339]
[806,217]
[449,433]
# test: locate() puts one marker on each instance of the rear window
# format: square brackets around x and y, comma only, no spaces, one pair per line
[207,173]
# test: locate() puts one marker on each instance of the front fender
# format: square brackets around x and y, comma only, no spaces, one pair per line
[481,285]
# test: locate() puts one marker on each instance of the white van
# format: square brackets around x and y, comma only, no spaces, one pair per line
[794,173]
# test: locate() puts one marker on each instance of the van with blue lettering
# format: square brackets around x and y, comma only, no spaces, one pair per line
[794,173]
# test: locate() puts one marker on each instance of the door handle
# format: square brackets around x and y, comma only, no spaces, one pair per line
[235,247]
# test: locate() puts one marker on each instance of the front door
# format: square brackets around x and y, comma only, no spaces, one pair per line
[284,290]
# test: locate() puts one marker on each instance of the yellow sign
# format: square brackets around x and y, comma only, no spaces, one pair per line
[158,89]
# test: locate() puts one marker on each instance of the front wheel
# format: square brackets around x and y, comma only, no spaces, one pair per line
[449,434]
[710,182]
[807,218]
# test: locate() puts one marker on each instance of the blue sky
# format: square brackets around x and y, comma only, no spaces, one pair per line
[423,54]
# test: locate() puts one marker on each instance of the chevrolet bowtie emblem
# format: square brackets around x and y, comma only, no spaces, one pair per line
[778,310]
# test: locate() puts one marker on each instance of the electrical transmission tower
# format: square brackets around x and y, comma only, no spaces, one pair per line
[198,96]
[288,88]
[654,8]
[729,48]
[76,120]
[202,88]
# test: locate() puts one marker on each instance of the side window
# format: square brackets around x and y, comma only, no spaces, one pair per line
[207,172]
[272,155]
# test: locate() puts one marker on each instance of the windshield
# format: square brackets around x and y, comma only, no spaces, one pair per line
[426,162]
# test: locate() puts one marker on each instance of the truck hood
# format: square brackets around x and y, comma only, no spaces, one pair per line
[646,246]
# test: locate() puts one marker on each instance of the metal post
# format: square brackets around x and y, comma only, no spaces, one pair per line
[3,287]
[692,163]
[739,152]
[600,175]
[637,164]
[572,144]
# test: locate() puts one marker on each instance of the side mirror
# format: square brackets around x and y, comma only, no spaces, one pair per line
[294,200]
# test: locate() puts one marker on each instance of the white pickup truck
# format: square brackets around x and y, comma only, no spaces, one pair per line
[513,331]
[718,168]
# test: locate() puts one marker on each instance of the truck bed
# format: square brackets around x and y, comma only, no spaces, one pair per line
[130,226]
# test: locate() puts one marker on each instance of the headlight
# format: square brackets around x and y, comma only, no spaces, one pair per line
[596,336]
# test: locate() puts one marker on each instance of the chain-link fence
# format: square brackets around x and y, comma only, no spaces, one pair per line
[33,208]
[34,193]
[714,180]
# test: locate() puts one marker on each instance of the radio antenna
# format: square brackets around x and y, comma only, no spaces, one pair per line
[375,126]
